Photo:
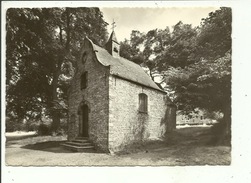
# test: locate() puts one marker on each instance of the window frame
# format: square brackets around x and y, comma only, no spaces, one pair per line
[143,103]
[84,57]
[115,49]
[83,80]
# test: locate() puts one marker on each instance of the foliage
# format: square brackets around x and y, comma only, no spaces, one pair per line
[160,49]
[143,48]
[194,63]
[11,125]
[204,84]
[215,34]
[43,129]
[179,49]
[42,49]
[219,137]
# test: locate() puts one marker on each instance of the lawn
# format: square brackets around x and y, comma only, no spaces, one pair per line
[187,146]
[17,135]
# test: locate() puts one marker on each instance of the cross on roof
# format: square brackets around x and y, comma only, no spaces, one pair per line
[113,25]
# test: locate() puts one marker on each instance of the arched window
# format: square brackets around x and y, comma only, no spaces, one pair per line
[84,57]
[83,80]
[143,103]
[115,49]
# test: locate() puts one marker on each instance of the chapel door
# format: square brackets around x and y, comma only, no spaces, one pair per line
[85,121]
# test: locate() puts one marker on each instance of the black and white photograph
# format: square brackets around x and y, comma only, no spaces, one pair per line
[117,86]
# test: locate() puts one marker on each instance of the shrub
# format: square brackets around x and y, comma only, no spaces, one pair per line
[59,132]
[12,125]
[32,127]
[219,137]
[43,130]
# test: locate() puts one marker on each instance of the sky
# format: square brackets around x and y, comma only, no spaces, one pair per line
[145,19]
[137,15]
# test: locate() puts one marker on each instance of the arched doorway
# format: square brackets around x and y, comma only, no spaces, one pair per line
[83,121]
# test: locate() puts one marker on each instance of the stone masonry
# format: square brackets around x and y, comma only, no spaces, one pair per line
[95,96]
[114,119]
[126,124]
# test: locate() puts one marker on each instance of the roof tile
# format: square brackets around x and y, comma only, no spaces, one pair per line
[124,68]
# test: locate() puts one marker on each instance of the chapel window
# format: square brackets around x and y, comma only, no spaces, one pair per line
[84,57]
[115,49]
[83,80]
[143,103]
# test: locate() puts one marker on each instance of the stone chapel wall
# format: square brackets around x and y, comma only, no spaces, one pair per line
[126,124]
[95,96]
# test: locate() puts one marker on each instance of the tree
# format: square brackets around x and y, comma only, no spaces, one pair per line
[160,49]
[42,49]
[144,48]
[214,39]
[194,62]
[207,82]
[179,49]
[131,49]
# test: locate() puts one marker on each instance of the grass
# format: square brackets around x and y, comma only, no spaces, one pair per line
[185,146]
[20,137]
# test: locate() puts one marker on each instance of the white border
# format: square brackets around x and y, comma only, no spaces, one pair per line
[110,4]
[241,160]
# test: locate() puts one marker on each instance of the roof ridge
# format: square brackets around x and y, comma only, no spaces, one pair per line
[119,56]
[124,68]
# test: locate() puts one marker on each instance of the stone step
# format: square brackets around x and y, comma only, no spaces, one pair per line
[79,148]
[82,138]
[78,143]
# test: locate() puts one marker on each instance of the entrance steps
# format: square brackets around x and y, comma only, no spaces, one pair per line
[79,144]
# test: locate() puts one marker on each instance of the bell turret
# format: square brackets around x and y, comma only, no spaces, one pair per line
[112,45]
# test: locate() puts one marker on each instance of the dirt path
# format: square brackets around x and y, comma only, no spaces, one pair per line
[188,146]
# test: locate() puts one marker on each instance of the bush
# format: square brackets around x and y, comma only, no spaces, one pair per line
[62,131]
[59,132]
[43,130]
[12,125]
[31,127]
[218,131]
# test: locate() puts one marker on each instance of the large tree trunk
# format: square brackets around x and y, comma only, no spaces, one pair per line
[55,121]
[55,111]
[223,129]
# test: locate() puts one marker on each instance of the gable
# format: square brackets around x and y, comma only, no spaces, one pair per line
[123,68]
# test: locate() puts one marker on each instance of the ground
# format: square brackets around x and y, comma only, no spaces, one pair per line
[187,146]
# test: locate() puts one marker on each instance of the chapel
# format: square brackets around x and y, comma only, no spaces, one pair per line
[113,103]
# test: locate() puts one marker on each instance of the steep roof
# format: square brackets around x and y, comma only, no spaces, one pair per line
[113,37]
[124,68]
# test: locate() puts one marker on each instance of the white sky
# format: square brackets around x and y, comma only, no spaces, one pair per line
[145,19]
[136,15]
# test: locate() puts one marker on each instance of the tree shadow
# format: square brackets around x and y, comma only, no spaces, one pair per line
[49,146]
[53,146]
